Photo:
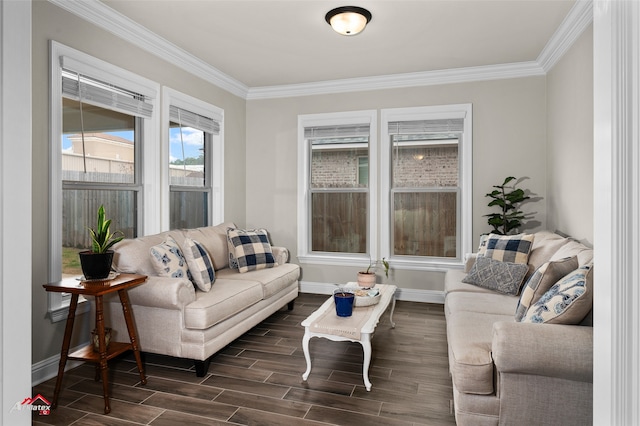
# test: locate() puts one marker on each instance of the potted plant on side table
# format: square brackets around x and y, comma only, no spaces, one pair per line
[96,263]
[367,278]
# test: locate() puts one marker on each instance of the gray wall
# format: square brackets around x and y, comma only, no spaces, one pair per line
[570,141]
[52,23]
[509,133]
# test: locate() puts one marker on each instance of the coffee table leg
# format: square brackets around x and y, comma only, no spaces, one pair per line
[365,341]
[393,307]
[305,348]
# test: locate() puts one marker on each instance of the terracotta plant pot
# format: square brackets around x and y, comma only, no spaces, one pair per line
[96,266]
[366,279]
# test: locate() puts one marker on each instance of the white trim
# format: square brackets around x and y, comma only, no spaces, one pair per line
[150,223]
[48,368]
[407,294]
[335,119]
[116,23]
[216,154]
[398,81]
[465,147]
[579,18]
[16,221]
[616,339]
[110,20]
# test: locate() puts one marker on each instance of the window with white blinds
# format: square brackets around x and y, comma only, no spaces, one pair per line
[190,119]
[336,201]
[196,160]
[103,122]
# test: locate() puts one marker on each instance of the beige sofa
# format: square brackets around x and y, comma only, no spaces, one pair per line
[515,373]
[175,318]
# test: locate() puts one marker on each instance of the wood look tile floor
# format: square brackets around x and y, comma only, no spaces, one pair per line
[257,380]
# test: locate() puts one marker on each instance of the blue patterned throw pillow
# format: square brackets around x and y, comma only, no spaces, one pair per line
[504,277]
[200,264]
[250,249]
[541,281]
[168,261]
[567,302]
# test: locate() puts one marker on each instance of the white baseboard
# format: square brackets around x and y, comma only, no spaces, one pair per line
[48,368]
[408,294]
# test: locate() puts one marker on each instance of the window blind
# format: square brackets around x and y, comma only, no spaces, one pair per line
[332,132]
[191,119]
[454,125]
[95,92]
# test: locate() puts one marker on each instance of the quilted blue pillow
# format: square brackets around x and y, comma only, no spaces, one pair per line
[250,249]
[200,264]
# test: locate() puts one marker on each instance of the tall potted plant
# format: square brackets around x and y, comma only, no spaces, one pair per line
[507,199]
[96,263]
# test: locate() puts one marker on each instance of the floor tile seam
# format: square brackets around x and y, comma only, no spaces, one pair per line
[272,412]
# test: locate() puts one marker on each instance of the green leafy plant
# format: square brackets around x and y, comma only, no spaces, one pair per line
[375,264]
[507,198]
[101,237]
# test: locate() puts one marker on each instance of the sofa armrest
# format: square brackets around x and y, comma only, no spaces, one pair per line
[161,292]
[552,350]
[281,254]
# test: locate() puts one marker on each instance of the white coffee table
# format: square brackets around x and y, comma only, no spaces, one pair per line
[357,328]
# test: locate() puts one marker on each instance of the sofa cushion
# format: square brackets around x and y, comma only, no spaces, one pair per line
[469,335]
[200,264]
[168,260]
[509,248]
[131,255]
[541,281]
[575,248]
[226,298]
[488,303]
[545,245]
[251,249]
[214,240]
[566,302]
[504,277]
[273,280]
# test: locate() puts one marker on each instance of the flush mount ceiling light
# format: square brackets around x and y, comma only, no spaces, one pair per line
[348,20]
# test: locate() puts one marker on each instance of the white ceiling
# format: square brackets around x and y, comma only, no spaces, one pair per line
[272,43]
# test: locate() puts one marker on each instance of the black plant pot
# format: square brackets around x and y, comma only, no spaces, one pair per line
[96,266]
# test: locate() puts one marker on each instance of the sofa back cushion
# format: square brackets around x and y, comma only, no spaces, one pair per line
[131,255]
[214,240]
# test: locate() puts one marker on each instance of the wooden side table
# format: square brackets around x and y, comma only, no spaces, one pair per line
[98,289]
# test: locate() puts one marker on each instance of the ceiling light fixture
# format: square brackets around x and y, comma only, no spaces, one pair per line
[348,20]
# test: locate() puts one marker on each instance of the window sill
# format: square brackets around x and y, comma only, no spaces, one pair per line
[431,265]
[62,312]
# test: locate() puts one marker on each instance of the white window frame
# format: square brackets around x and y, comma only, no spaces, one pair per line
[305,255]
[465,153]
[215,158]
[148,221]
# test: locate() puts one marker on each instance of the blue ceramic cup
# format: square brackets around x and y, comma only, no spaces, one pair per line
[344,302]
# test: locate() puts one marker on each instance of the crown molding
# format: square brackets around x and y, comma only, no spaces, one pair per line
[116,23]
[395,81]
[97,13]
[579,18]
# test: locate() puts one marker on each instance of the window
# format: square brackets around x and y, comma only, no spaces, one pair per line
[427,153]
[195,166]
[337,200]
[101,116]
[420,215]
